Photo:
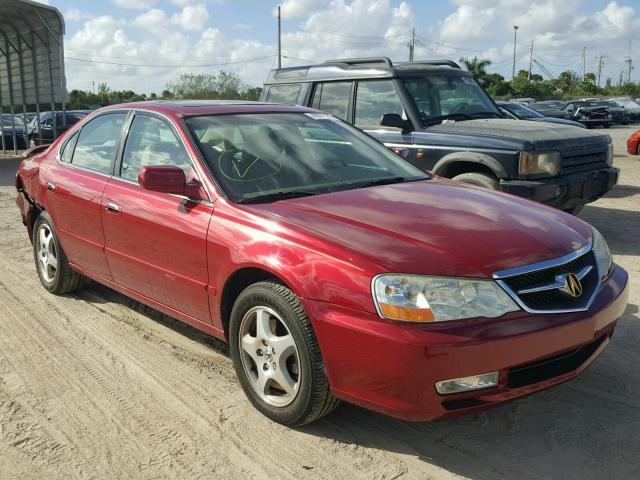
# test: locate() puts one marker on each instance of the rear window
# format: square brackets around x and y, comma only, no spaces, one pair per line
[333,98]
[287,94]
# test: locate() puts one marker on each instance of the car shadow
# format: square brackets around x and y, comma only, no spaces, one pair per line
[619,227]
[623,191]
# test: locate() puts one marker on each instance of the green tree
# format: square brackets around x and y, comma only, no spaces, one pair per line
[477,67]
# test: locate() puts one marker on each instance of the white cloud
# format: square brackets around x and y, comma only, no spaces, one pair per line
[151,20]
[192,17]
[134,4]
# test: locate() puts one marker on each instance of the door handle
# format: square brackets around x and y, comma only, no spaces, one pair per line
[113,207]
[51,187]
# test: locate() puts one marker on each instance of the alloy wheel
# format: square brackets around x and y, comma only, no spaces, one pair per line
[269,356]
[47,253]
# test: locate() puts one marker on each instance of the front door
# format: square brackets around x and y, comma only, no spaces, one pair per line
[156,242]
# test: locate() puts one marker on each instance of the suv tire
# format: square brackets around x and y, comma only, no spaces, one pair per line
[480,179]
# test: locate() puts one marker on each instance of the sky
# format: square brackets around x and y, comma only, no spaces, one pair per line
[143,45]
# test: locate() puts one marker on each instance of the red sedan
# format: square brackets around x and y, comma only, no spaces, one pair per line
[335,269]
[633,144]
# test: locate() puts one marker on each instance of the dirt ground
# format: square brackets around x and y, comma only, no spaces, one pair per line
[97,386]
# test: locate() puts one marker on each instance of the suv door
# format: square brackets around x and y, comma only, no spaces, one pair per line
[74,191]
[156,242]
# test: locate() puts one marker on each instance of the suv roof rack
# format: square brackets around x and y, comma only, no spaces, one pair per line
[363,60]
[387,61]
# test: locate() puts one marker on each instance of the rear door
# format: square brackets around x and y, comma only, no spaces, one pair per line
[156,242]
[75,185]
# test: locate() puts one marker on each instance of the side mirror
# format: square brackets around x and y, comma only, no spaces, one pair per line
[396,121]
[170,179]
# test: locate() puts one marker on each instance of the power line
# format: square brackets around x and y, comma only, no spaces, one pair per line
[246,60]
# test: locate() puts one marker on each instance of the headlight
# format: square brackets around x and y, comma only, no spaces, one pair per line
[602,253]
[417,298]
[610,154]
[539,163]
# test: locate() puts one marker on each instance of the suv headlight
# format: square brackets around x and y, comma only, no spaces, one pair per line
[610,154]
[602,253]
[540,164]
[417,298]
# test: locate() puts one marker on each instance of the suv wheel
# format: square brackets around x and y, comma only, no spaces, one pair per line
[480,179]
[276,355]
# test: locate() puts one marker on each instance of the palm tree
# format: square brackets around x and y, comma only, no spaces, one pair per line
[477,67]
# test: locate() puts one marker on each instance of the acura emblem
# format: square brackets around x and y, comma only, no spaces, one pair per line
[572,285]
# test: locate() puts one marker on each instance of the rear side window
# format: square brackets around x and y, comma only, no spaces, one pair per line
[67,151]
[96,145]
[152,142]
[333,98]
[375,98]
[287,94]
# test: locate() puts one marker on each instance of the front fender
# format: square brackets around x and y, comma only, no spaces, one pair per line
[447,161]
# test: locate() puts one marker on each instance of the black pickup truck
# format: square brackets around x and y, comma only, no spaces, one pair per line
[437,117]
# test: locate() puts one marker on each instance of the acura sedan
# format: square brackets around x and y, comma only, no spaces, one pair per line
[335,269]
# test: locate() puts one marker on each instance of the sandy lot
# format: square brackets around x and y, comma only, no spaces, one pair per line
[98,386]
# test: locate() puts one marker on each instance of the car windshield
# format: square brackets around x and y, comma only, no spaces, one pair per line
[522,111]
[440,97]
[263,157]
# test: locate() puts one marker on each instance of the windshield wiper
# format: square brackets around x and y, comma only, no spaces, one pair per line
[484,114]
[451,116]
[391,180]
[274,196]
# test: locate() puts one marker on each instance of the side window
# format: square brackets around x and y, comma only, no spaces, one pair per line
[96,145]
[67,150]
[287,94]
[152,142]
[332,98]
[375,98]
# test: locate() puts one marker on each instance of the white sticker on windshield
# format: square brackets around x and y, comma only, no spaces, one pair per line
[468,80]
[320,116]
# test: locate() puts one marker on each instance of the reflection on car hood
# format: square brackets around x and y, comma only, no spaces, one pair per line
[437,227]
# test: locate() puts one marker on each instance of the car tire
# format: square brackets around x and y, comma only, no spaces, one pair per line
[291,389]
[606,125]
[480,179]
[51,262]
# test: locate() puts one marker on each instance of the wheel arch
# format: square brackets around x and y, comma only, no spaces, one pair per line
[467,162]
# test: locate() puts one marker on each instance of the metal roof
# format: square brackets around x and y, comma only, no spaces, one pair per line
[31,54]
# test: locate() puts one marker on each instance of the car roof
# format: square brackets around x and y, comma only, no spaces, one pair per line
[183,108]
[358,68]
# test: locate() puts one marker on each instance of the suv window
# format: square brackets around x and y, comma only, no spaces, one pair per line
[287,94]
[332,98]
[373,99]
[152,142]
[96,146]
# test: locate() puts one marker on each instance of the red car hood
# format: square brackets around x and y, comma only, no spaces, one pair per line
[436,227]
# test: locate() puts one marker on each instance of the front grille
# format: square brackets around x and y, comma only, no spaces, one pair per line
[580,159]
[553,299]
[552,367]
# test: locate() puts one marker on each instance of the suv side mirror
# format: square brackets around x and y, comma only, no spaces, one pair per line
[396,121]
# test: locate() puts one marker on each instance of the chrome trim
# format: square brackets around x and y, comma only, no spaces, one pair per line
[534,267]
[558,283]
[500,277]
[443,147]
[112,206]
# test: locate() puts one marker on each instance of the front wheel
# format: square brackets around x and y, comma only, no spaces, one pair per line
[276,355]
[480,179]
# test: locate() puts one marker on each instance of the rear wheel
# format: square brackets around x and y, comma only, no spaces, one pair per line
[51,262]
[276,355]
[480,179]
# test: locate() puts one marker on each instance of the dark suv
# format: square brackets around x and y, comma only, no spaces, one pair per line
[437,116]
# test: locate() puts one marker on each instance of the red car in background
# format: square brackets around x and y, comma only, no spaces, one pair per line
[335,269]
[633,143]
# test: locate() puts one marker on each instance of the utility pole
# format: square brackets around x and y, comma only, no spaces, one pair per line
[584,62]
[279,38]
[530,60]
[515,40]
[600,64]
[412,44]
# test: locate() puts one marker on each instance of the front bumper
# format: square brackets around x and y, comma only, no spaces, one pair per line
[392,367]
[566,191]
